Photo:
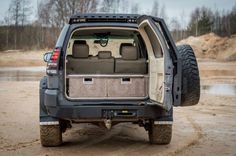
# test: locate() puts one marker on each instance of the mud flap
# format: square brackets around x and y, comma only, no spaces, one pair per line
[44,118]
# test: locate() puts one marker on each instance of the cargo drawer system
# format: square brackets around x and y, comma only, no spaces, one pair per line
[107,86]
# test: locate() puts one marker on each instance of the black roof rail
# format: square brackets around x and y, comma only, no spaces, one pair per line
[121,18]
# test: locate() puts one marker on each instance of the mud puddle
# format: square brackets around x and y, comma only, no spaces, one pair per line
[219,89]
[36,73]
[22,73]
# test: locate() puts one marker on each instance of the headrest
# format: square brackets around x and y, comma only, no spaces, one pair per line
[124,44]
[104,54]
[129,53]
[80,42]
[80,50]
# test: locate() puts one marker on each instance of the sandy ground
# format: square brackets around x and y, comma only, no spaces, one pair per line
[22,58]
[212,71]
[208,128]
[213,46]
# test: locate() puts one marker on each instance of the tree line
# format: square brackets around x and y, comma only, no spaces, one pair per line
[18,31]
[204,20]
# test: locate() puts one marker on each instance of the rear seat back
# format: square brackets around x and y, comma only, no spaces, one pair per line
[129,62]
[79,60]
[103,63]
[81,63]
[123,45]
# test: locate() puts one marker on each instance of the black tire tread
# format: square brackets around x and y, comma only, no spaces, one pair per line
[160,134]
[50,135]
[190,76]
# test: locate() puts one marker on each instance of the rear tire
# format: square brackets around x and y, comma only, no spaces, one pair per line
[160,134]
[50,135]
[190,76]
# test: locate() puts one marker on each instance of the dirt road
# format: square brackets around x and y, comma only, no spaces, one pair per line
[206,129]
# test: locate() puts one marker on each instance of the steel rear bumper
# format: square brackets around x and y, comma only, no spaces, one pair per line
[59,107]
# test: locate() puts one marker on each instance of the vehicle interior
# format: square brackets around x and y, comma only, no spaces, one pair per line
[107,63]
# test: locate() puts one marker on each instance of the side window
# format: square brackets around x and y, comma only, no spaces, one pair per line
[62,36]
[154,42]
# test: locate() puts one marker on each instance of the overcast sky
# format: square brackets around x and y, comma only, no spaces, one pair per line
[174,8]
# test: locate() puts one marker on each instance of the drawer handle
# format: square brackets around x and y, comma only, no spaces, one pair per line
[88,80]
[125,80]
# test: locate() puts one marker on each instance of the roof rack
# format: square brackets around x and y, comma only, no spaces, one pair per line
[121,18]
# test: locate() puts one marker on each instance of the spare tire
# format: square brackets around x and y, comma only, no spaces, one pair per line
[190,92]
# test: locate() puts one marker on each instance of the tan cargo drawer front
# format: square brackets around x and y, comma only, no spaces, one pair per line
[126,87]
[87,87]
[107,87]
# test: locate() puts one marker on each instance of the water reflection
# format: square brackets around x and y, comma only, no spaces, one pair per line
[36,73]
[219,89]
[22,73]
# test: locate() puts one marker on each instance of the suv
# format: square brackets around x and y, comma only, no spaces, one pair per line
[112,68]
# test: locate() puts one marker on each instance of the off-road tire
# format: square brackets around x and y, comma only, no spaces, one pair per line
[190,76]
[160,134]
[50,135]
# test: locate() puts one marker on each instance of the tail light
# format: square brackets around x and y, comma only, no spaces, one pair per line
[52,65]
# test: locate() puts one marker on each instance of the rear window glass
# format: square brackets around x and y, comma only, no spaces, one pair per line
[96,45]
[106,40]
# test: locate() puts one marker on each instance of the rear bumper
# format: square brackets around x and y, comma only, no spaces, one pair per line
[59,107]
[121,113]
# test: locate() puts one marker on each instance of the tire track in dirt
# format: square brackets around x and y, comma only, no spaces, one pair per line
[199,135]
[136,147]
[93,131]
[19,145]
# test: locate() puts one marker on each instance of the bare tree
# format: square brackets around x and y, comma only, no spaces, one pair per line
[25,11]
[116,6]
[163,12]
[15,12]
[201,21]
[57,12]
[107,6]
[18,11]
[86,6]
[155,9]
[233,19]
[124,6]
[72,5]
[182,23]
[7,22]
[93,6]
[217,21]
[111,6]
[193,23]
[135,8]
[175,29]
[52,14]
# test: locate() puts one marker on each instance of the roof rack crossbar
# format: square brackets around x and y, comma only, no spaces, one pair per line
[123,18]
